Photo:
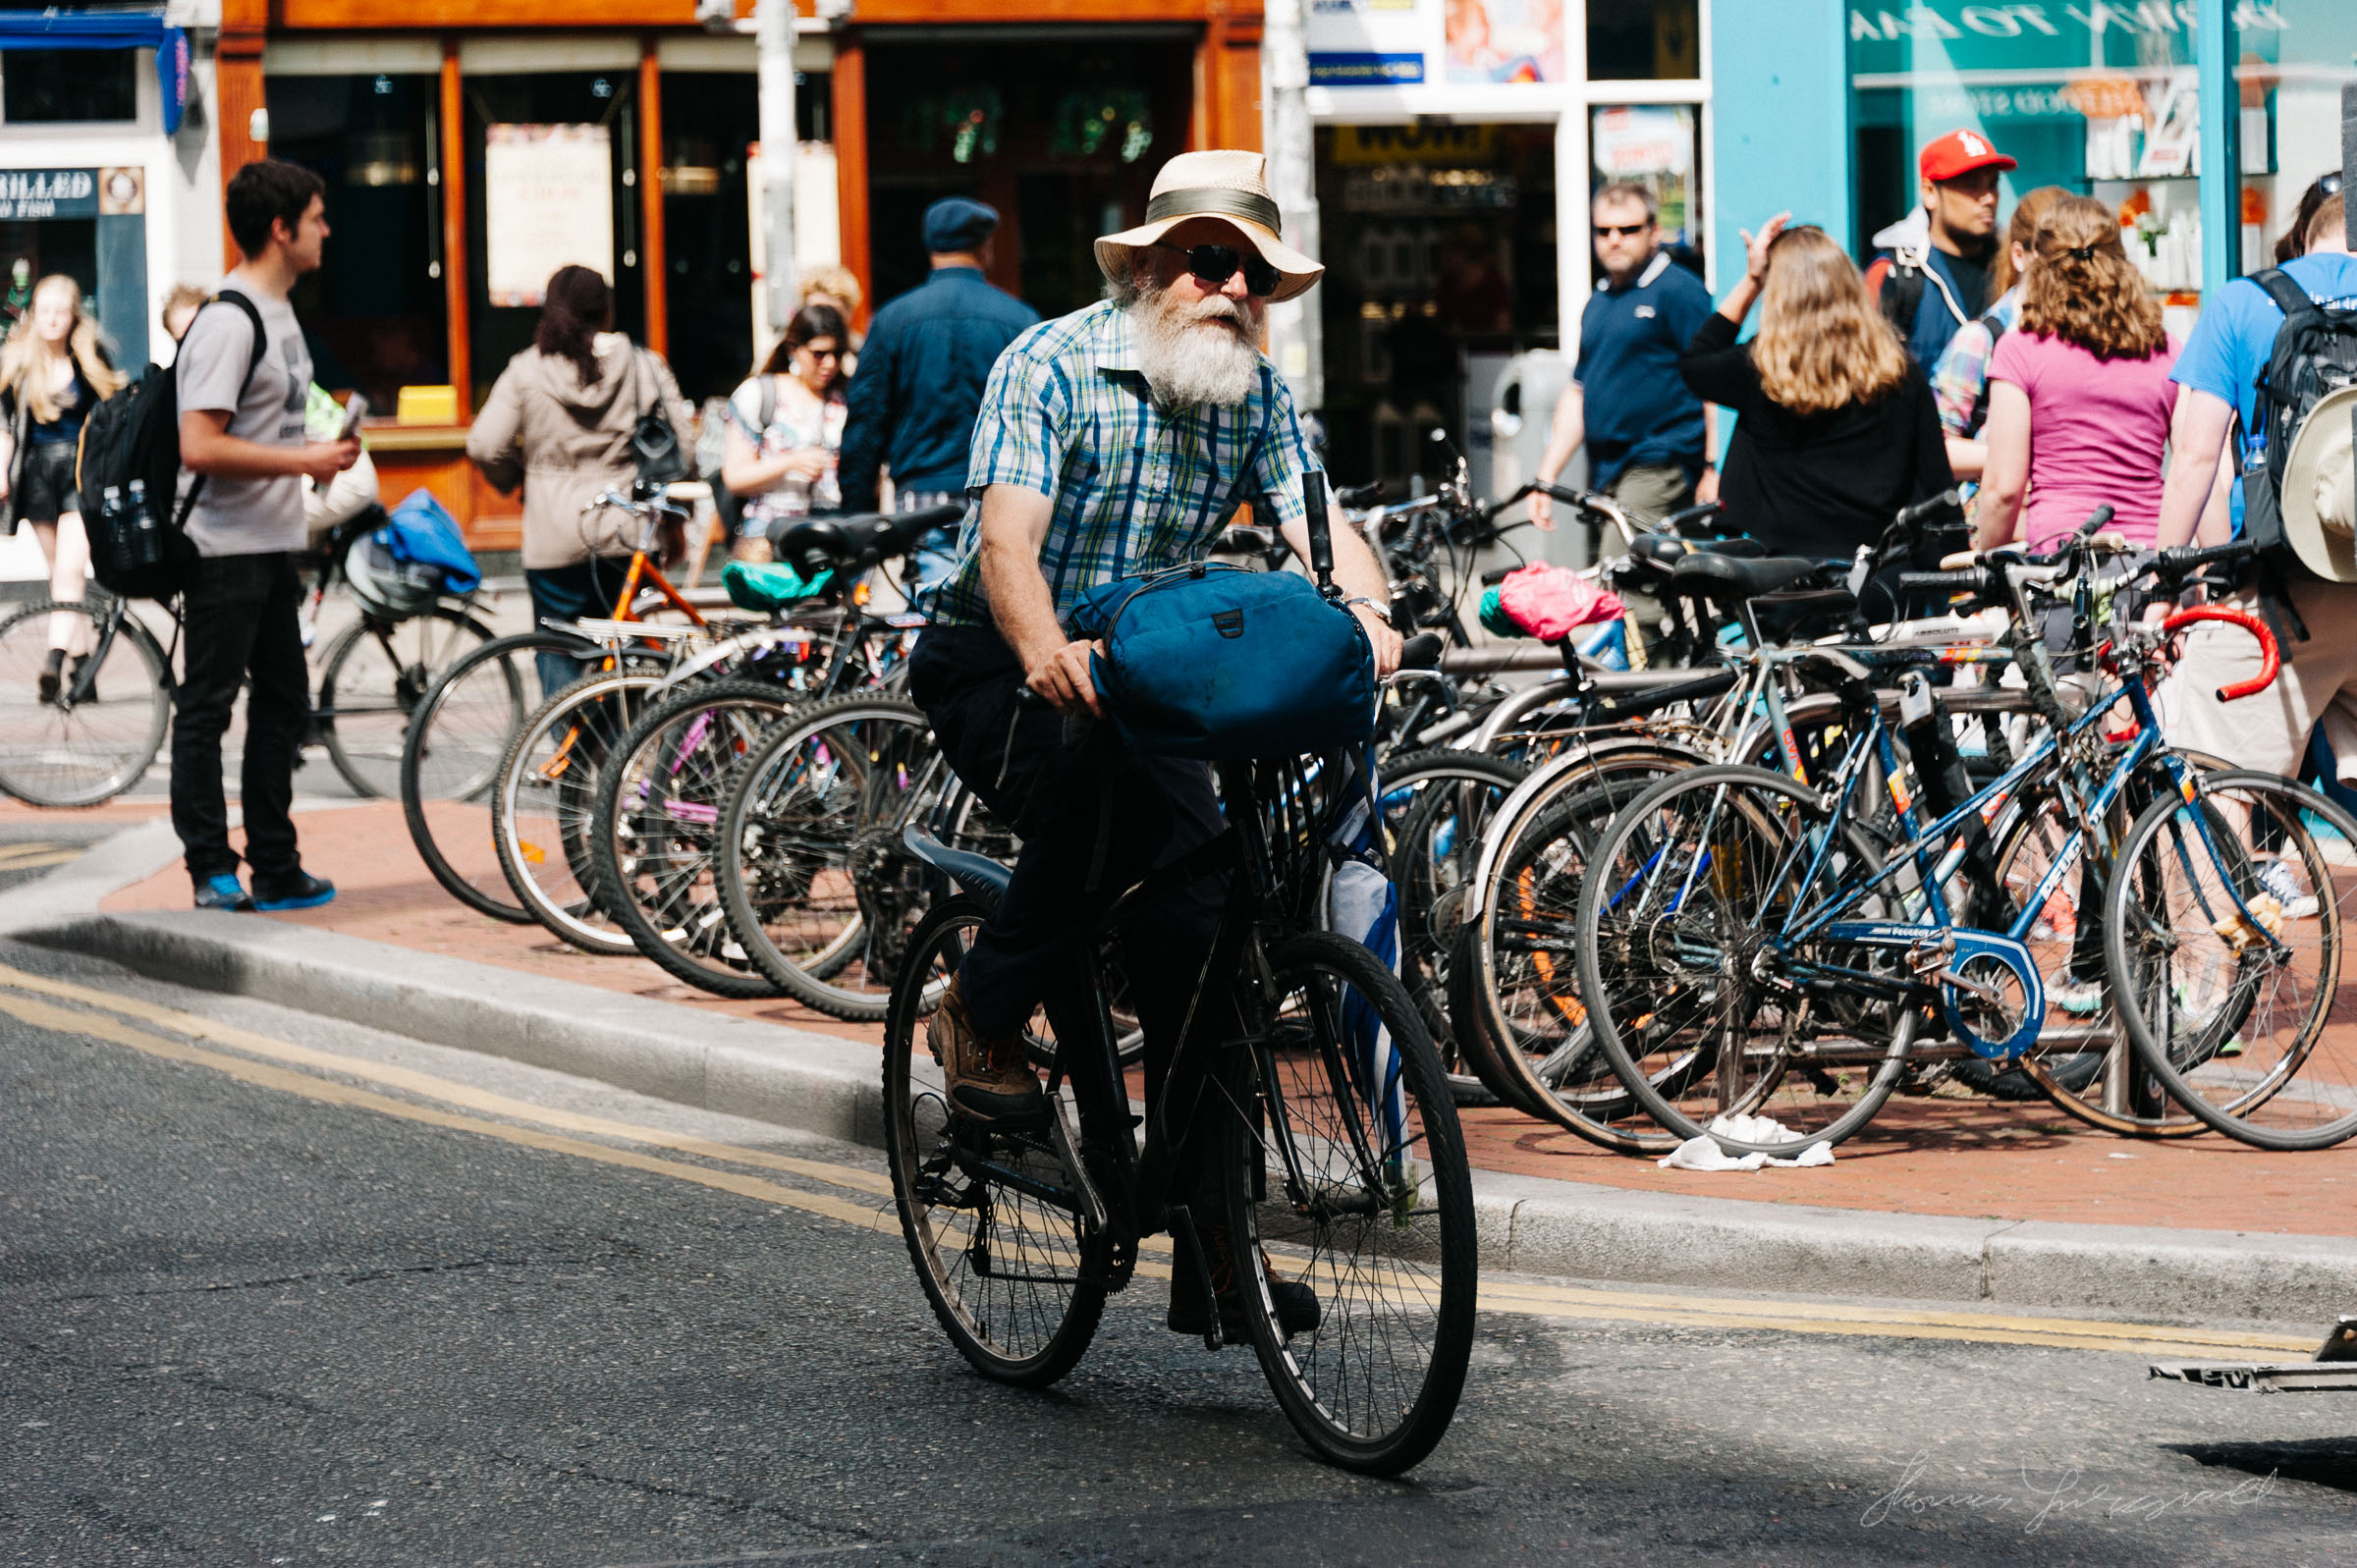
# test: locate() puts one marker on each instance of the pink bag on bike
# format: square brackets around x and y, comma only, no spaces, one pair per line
[1551,602]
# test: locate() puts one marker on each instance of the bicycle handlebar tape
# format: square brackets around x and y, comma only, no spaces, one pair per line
[2095,520]
[2192,558]
[1321,533]
[2269,656]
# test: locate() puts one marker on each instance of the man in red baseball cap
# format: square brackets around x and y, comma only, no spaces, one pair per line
[1933,272]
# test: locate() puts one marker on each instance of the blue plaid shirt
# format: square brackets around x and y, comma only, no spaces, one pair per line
[1136,487]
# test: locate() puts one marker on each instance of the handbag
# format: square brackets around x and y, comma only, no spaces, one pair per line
[655,440]
[1213,662]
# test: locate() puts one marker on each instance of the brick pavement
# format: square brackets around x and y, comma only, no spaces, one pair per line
[1967,1158]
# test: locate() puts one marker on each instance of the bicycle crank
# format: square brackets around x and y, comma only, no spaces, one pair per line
[1990,991]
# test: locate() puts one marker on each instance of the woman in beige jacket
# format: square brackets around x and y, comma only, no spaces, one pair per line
[559,422]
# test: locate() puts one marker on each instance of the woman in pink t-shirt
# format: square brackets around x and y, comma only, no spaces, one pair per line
[2079,395]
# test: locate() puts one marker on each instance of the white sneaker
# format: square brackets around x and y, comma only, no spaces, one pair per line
[2284,883]
[2078,997]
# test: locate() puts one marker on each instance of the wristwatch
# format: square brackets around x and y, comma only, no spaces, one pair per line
[1381,610]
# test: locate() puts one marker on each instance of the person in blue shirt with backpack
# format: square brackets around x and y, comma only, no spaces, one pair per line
[2244,332]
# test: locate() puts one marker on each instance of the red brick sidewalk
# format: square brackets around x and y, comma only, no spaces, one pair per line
[1974,1159]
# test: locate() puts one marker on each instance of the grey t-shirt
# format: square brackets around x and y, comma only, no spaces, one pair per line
[248,515]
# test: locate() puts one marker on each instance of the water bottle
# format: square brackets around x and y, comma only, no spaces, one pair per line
[142,541]
[111,532]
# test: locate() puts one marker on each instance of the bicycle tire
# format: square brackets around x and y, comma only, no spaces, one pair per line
[923,1143]
[598,708]
[652,856]
[1645,902]
[2230,1063]
[1402,1274]
[1433,853]
[52,753]
[839,779]
[368,764]
[461,784]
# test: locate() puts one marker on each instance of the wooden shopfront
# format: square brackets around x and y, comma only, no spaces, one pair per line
[1056,112]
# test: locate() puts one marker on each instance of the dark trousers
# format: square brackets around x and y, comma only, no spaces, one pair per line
[240,616]
[1093,819]
[584,591]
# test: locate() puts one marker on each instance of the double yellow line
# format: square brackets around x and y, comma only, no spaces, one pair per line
[251,1057]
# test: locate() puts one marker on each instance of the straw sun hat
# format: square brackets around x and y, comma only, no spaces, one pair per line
[2319,499]
[1232,187]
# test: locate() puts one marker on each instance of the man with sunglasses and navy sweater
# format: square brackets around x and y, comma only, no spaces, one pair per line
[1112,442]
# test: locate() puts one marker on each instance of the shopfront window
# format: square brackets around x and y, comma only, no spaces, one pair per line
[374,310]
[556,157]
[2292,58]
[1644,40]
[709,120]
[40,86]
[1440,244]
[2101,99]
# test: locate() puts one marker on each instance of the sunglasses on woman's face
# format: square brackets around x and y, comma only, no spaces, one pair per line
[1216,264]
[822,352]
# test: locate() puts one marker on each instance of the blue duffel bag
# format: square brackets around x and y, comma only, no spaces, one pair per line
[1215,662]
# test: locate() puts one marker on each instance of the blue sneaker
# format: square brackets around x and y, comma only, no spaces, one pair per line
[225,893]
[303,892]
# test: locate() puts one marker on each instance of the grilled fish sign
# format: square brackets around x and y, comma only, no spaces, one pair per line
[27,194]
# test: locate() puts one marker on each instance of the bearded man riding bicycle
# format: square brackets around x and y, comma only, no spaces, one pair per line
[1112,442]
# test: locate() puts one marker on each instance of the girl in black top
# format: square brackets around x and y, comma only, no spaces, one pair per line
[53,374]
[1835,430]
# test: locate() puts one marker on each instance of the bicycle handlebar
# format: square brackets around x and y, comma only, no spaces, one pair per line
[1973,580]
[1951,499]
[2185,559]
[2271,656]
[2095,520]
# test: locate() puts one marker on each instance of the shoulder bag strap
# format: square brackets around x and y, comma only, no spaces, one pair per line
[254,363]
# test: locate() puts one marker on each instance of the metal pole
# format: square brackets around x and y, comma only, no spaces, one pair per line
[1296,339]
[2221,189]
[773,38]
[2349,157]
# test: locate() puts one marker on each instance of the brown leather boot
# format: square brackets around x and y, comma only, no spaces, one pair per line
[988,1079]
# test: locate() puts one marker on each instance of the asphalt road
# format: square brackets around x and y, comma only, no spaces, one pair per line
[258,1306]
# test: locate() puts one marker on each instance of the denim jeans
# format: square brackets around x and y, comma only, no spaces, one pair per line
[240,616]
[584,591]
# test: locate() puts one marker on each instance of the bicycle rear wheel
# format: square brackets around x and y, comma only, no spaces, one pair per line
[377,674]
[2227,981]
[1017,1277]
[1352,1180]
[99,733]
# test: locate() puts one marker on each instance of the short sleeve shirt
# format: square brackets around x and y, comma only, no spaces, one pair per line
[238,514]
[2230,344]
[1634,404]
[1136,486]
[2098,429]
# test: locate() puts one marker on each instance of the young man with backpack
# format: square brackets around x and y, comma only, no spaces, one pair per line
[243,378]
[1933,266]
[2266,352]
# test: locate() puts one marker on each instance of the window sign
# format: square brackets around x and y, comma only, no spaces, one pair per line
[1505,40]
[33,194]
[1368,43]
[547,202]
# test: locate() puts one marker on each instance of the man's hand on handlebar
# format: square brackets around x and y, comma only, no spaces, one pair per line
[1380,633]
[1063,677]
[1541,511]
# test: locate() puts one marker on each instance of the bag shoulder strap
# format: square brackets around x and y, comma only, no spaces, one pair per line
[2289,297]
[254,363]
[769,405]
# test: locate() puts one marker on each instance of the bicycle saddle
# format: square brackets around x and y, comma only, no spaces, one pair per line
[1717,576]
[978,875]
[810,545]
[1665,550]
[857,540]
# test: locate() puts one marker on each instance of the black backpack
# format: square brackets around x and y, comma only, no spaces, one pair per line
[135,435]
[2315,353]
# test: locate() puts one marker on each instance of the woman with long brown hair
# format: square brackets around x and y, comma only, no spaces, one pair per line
[1836,431]
[53,374]
[785,429]
[2079,395]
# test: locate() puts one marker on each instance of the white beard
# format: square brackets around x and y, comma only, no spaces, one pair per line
[1192,357]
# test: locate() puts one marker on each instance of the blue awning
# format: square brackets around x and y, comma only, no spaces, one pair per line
[60,29]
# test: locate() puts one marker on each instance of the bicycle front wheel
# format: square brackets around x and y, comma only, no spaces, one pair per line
[545,802]
[95,733]
[377,674]
[1352,1179]
[1015,1269]
[2222,929]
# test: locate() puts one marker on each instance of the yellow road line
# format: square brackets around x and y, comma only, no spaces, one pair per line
[1529,1298]
[30,856]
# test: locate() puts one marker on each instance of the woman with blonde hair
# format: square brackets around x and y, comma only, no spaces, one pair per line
[1836,431]
[2079,395]
[53,374]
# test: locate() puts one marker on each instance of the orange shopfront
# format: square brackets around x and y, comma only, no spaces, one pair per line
[1056,112]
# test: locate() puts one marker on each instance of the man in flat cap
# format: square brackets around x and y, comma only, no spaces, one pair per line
[921,373]
[1114,441]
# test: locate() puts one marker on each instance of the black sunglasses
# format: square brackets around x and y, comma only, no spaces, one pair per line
[1624,230]
[1216,264]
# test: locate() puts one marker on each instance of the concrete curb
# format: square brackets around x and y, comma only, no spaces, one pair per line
[1529,1225]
